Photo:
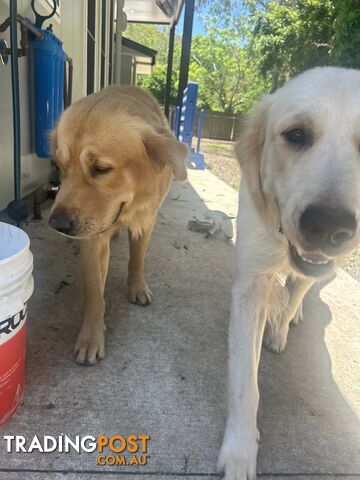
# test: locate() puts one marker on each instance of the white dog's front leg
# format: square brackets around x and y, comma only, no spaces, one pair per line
[276,333]
[237,460]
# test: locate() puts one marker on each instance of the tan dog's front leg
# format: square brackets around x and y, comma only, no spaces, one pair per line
[94,257]
[138,292]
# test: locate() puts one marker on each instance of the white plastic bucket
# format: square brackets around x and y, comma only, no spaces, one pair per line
[16,287]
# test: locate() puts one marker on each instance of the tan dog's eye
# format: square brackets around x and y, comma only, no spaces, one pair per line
[296,136]
[97,170]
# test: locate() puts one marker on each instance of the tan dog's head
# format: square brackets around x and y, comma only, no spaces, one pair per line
[300,156]
[108,159]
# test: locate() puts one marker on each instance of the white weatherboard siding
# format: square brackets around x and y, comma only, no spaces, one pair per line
[71,29]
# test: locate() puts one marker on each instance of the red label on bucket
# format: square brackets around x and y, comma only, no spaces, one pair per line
[12,363]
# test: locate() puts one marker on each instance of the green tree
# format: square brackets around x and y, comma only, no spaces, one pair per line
[156,83]
[252,46]
[152,36]
[288,37]
[228,81]
[346,44]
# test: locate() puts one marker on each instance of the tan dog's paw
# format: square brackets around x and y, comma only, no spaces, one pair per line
[90,345]
[139,293]
[275,339]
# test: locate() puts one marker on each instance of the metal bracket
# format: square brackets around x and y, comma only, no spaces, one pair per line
[4,57]
[25,27]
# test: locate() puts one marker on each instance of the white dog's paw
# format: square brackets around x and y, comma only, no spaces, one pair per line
[237,459]
[275,338]
[90,345]
[298,317]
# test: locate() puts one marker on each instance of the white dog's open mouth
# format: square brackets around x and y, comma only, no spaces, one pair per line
[312,264]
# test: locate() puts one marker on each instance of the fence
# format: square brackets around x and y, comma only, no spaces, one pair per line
[220,125]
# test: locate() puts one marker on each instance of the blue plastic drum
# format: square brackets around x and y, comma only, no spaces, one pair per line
[49,60]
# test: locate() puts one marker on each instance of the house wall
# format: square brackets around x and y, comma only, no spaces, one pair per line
[70,27]
[126,70]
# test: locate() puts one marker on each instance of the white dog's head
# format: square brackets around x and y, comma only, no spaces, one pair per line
[300,155]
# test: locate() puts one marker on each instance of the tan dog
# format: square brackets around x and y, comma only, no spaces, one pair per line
[116,157]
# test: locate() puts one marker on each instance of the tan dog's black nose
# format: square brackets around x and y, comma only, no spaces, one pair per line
[61,221]
[327,228]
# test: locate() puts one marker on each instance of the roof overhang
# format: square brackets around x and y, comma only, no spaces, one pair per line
[161,12]
[144,57]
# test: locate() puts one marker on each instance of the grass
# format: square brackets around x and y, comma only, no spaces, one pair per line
[214,146]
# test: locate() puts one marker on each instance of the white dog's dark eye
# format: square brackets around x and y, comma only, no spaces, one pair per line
[296,136]
[96,170]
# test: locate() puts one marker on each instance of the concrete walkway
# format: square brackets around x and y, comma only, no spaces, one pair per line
[165,370]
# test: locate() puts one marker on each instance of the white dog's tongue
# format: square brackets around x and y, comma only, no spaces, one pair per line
[313,257]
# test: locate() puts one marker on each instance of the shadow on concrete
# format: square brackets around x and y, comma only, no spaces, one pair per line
[307,425]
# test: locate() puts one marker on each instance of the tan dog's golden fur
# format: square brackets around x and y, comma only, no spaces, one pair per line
[116,157]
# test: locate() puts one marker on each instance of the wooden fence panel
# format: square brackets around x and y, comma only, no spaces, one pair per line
[220,126]
[238,126]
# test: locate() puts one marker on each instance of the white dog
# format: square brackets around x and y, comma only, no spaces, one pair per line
[299,208]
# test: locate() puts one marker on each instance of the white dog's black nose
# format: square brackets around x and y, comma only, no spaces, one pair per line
[61,221]
[327,228]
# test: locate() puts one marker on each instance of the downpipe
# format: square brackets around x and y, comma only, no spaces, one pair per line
[17,208]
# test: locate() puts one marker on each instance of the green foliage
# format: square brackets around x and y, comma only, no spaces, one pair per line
[346,51]
[157,37]
[253,46]
[225,14]
[289,37]
[156,83]
[228,80]
[152,36]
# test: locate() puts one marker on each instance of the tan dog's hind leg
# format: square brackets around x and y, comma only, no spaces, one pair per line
[94,257]
[138,292]
[276,332]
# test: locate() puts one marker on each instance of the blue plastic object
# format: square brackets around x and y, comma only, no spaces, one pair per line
[49,61]
[196,157]
[200,127]
[185,124]
[187,116]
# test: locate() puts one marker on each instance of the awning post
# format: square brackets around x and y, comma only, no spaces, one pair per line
[169,71]
[121,21]
[185,48]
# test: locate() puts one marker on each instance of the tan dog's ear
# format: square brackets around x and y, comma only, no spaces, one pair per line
[249,150]
[163,149]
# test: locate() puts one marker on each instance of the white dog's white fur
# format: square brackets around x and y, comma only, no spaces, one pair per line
[279,181]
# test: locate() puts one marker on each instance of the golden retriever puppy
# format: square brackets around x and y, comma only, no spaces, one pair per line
[116,156]
[299,209]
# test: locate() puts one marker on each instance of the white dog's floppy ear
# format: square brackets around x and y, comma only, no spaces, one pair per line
[249,150]
[163,149]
